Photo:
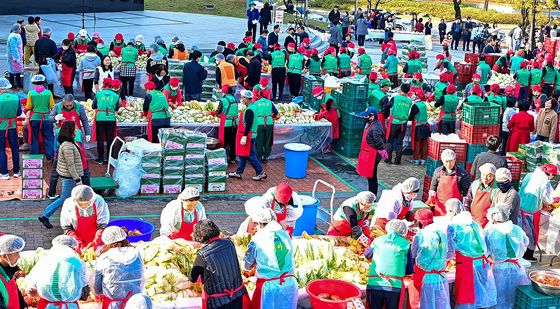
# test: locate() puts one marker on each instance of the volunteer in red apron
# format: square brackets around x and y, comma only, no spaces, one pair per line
[473,274]
[372,149]
[39,104]
[270,252]
[538,97]
[478,199]
[401,110]
[81,42]
[535,192]
[10,109]
[447,115]
[156,110]
[506,245]
[117,45]
[105,105]
[58,279]
[173,93]
[119,270]
[262,90]
[391,260]
[228,112]
[448,181]
[430,289]
[84,216]
[10,247]
[352,217]
[418,87]
[328,111]
[67,61]
[180,216]
[378,98]
[216,264]
[246,139]
[397,203]
[286,203]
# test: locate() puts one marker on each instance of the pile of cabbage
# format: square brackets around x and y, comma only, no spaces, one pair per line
[116,61]
[503,80]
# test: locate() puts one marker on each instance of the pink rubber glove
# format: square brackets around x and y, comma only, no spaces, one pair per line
[383,154]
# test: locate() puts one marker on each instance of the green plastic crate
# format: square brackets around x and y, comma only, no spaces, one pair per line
[473,150]
[350,105]
[355,91]
[527,298]
[481,113]
[348,148]
[310,82]
[352,120]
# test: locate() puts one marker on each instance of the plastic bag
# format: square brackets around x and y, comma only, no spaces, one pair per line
[128,174]
[49,70]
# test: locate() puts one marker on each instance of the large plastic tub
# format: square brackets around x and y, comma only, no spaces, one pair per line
[345,290]
[308,219]
[146,228]
[296,156]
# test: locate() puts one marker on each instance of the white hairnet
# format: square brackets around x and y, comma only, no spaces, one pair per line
[139,301]
[487,168]
[503,175]
[15,27]
[230,57]
[82,193]
[139,38]
[11,244]
[454,206]
[189,193]
[500,212]
[47,30]
[263,215]
[247,94]
[397,226]
[113,234]
[65,240]
[410,185]
[448,154]
[254,204]
[366,197]
[82,32]
[5,83]
[38,78]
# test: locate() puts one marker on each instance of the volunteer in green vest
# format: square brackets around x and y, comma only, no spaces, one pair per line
[246,139]
[536,76]
[313,64]
[549,76]
[10,296]
[373,82]
[378,98]
[446,67]
[440,86]
[421,134]
[483,70]
[278,72]
[228,112]
[117,45]
[401,110]
[413,65]
[105,105]
[538,97]
[295,67]
[9,110]
[266,113]
[173,93]
[516,61]
[330,62]
[139,44]
[523,78]
[469,87]
[495,97]
[156,110]
[476,96]
[127,73]
[364,62]
[102,49]
[503,63]
[352,218]
[39,104]
[392,66]
[418,88]
[391,261]
[448,111]
[344,63]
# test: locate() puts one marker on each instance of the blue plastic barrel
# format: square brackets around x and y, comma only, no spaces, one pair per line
[146,228]
[308,219]
[296,156]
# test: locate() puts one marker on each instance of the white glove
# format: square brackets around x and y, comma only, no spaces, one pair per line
[366,223]
[59,117]
[88,138]
[243,141]
[432,193]
[255,21]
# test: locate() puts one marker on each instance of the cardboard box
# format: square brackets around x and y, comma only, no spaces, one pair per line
[149,189]
[173,180]
[172,189]
[150,181]
[151,170]
[194,169]
[217,178]
[173,172]
[189,179]
[32,161]
[32,184]
[217,174]
[33,173]
[199,187]
[216,186]
[32,194]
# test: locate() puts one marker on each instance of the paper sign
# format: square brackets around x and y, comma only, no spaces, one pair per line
[279,17]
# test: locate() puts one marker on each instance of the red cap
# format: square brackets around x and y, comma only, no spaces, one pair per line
[277,47]
[384,75]
[230,45]
[412,54]
[71,36]
[451,89]
[317,91]
[301,50]
[107,82]
[292,45]
[342,49]
[306,41]
[116,84]
[509,90]
[391,52]
[351,45]
[150,86]
[536,64]
[119,36]
[477,90]
[283,193]
[495,88]
[314,51]
[523,64]
[550,169]
[537,88]
[549,58]
[440,57]
[417,75]
[373,76]
[264,82]
[510,52]
[257,46]
[361,50]
[424,216]
[476,76]
[225,88]
[444,78]
[247,39]
[174,82]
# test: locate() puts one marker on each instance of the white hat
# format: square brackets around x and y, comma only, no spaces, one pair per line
[82,32]
[454,206]
[189,193]
[11,244]
[366,197]
[113,234]
[487,168]
[139,38]
[397,226]
[448,154]
[503,175]
[38,78]
[263,215]
[410,185]
[500,212]
[246,94]
[65,240]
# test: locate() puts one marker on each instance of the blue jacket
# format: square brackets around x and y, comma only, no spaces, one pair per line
[252,15]
[193,76]
[456,28]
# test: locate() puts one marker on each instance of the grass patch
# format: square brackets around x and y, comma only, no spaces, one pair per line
[231,8]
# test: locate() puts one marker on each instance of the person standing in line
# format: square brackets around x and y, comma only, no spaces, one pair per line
[39,104]
[345,22]
[421,134]
[334,15]
[448,112]
[266,114]
[442,30]
[361,30]
[10,109]
[194,74]
[156,109]
[252,20]
[456,31]
[278,73]
[401,110]
[520,127]
[335,39]
[265,17]
[272,39]
[547,121]
[128,68]
[31,36]
[295,67]
[67,59]
[467,32]
[14,51]
[428,33]
[87,68]
[372,150]
[21,23]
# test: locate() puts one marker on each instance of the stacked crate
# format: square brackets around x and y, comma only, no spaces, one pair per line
[310,82]
[32,177]
[195,160]
[209,82]
[150,182]
[533,155]
[176,68]
[465,72]
[173,153]
[480,120]
[216,162]
[418,48]
[350,102]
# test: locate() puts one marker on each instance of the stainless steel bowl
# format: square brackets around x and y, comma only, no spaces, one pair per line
[543,288]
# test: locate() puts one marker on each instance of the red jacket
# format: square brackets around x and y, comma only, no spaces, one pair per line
[520,127]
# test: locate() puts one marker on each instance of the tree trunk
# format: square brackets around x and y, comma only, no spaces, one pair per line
[377,2]
[533,24]
[485,5]
[457,8]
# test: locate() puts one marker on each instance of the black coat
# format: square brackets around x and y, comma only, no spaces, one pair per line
[44,48]
[265,16]
[254,72]
[193,76]
[68,57]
